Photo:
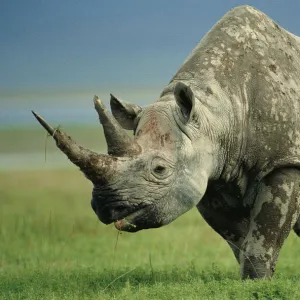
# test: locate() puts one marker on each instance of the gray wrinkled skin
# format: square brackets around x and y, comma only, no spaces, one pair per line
[246,72]
[231,141]
[223,136]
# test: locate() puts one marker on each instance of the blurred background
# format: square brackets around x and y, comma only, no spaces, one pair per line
[55,55]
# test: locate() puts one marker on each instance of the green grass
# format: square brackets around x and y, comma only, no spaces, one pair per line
[53,247]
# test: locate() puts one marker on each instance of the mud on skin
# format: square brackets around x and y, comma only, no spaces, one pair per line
[224,135]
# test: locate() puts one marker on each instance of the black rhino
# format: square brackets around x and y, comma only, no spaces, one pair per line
[224,136]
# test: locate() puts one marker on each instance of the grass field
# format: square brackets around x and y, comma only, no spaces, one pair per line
[53,247]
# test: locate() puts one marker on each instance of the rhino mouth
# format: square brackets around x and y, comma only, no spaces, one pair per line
[144,218]
[140,219]
[127,217]
[128,223]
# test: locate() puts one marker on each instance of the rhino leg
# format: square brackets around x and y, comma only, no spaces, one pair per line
[230,222]
[275,212]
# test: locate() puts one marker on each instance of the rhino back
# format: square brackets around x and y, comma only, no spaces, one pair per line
[256,63]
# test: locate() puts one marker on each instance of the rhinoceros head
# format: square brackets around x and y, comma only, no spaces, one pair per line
[149,180]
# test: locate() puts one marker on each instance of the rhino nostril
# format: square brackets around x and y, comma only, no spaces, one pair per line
[112,213]
[118,210]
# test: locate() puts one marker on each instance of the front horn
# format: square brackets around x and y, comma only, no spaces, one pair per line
[97,167]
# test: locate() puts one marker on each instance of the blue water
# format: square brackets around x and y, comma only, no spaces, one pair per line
[60,109]
[56,116]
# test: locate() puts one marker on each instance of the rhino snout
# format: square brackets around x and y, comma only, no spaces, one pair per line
[112,212]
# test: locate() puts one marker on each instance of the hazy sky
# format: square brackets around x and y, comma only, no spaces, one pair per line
[63,52]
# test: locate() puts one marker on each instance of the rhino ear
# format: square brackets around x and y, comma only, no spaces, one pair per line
[124,112]
[185,100]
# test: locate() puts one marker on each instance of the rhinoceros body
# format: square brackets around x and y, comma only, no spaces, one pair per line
[223,136]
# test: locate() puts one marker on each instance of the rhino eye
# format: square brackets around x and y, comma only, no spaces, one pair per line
[159,170]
